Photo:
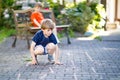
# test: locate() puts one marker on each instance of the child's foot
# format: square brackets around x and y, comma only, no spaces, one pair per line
[50,59]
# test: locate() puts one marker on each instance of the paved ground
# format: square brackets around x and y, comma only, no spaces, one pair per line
[84,59]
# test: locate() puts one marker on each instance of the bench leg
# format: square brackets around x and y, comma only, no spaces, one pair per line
[15,39]
[67,34]
[27,38]
[28,42]
[14,42]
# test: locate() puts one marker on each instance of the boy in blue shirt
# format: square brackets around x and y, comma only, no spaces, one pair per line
[44,42]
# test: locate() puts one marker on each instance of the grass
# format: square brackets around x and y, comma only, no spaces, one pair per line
[97,37]
[26,58]
[5,32]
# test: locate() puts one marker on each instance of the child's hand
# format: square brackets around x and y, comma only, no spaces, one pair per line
[34,62]
[58,63]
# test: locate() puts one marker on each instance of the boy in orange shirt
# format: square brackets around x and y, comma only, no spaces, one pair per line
[36,16]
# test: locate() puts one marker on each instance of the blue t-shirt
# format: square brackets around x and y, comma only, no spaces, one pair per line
[40,39]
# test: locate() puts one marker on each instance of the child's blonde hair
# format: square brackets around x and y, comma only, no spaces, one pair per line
[47,24]
[38,4]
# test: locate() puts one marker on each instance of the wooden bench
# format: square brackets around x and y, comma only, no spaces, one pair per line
[24,27]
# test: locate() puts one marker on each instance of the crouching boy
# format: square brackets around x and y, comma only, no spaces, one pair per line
[44,42]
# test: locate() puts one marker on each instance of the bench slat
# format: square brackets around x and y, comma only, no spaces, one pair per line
[60,26]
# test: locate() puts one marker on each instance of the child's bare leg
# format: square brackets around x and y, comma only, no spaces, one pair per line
[38,51]
[50,49]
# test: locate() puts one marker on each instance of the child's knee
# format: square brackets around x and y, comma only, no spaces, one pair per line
[38,50]
[51,46]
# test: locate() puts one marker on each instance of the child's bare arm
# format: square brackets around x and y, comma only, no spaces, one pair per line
[32,53]
[37,23]
[57,55]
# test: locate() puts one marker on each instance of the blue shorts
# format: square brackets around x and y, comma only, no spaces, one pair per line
[45,51]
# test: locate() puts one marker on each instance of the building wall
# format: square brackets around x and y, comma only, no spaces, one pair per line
[118,9]
[110,10]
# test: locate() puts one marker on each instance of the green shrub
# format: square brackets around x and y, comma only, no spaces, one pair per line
[57,7]
[5,9]
[84,14]
[61,33]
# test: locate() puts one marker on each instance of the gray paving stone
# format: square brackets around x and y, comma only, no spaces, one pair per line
[82,60]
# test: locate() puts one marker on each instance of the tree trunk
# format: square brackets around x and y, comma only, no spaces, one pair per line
[74,2]
[88,1]
[63,1]
[58,1]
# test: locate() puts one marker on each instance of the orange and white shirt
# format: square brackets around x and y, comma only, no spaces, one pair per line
[38,16]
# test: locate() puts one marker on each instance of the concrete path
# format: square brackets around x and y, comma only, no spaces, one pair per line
[84,59]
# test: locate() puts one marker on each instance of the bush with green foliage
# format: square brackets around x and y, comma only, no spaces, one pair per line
[57,7]
[100,14]
[6,18]
[84,14]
